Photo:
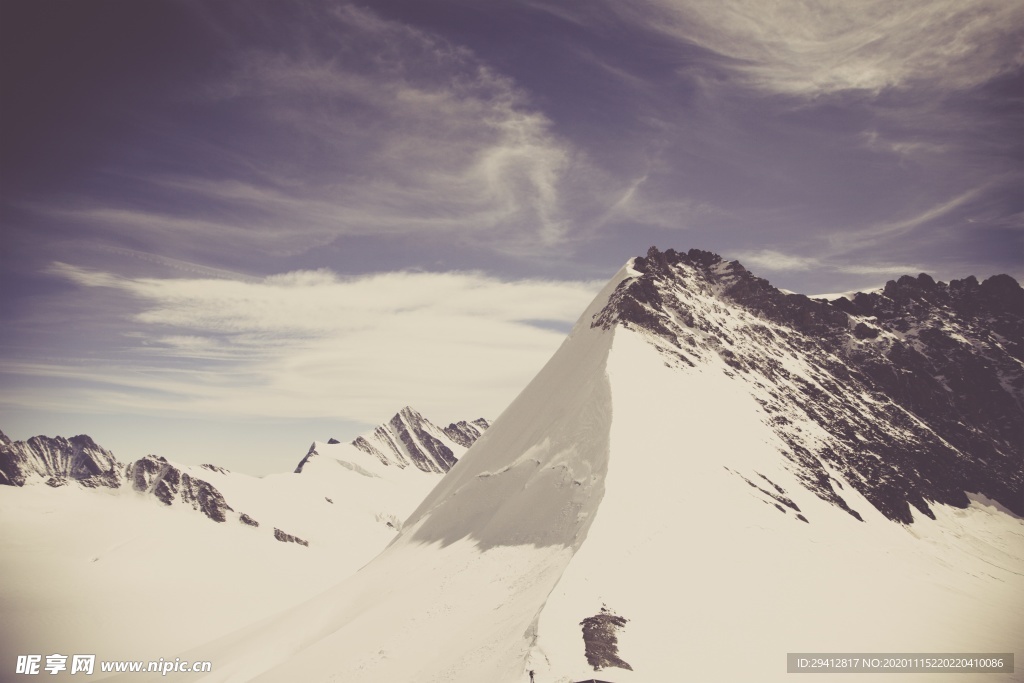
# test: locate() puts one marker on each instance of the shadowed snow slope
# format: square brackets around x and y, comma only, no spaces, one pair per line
[460,588]
[708,474]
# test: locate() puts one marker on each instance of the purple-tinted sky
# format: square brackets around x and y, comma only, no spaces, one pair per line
[237,226]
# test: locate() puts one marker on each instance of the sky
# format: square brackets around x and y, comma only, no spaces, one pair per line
[229,228]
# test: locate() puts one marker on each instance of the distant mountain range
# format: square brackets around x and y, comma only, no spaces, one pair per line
[407,439]
[92,539]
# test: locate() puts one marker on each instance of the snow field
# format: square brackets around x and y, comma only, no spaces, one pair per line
[719,585]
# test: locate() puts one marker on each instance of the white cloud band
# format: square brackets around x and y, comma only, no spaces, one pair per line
[313,344]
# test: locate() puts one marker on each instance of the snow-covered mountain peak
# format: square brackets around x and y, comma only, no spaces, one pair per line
[654,293]
[914,394]
[408,438]
[58,460]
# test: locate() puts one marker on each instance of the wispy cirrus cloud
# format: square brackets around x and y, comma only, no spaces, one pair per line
[310,344]
[361,126]
[943,210]
[774,261]
[811,46]
[355,127]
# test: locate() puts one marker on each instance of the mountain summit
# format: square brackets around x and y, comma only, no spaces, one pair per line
[915,393]
[709,473]
[408,438]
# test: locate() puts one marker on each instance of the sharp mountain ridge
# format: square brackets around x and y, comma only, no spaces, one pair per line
[408,438]
[914,394]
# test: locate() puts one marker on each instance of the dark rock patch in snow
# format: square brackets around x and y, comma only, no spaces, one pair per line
[288,538]
[309,454]
[601,640]
[425,450]
[408,438]
[919,388]
[58,461]
[154,475]
[777,497]
[466,433]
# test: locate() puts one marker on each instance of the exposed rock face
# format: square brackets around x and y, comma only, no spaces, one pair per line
[918,391]
[466,433]
[79,459]
[156,476]
[288,538]
[309,454]
[408,438]
[601,641]
[58,461]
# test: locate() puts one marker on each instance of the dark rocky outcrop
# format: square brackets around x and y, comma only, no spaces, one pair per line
[920,387]
[404,441]
[306,458]
[424,449]
[466,433]
[288,538]
[601,641]
[154,475]
[408,438]
[59,461]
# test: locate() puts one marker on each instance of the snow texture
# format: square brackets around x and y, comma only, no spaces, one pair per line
[146,560]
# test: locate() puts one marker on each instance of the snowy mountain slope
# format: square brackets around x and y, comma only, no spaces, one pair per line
[440,604]
[707,475]
[132,571]
[120,575]
[719,575]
